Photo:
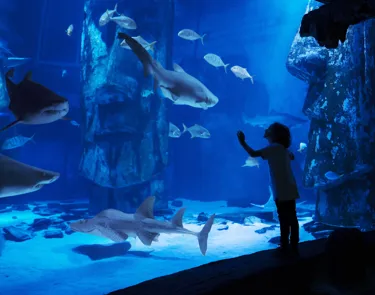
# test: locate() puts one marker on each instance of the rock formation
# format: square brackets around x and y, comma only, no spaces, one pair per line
[125,132]
[341,108]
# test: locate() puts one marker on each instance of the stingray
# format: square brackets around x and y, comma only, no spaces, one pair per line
[33,103]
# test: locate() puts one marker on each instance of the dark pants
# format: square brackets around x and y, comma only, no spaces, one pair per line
[288,223]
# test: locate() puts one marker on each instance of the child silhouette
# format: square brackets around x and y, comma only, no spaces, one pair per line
[283,184]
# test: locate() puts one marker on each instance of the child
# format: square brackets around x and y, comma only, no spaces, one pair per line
[283,184]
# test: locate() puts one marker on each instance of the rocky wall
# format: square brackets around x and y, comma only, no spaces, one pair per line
[125,132]
[340,105]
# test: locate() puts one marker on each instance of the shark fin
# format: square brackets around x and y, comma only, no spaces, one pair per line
[146,209]
[151,46]
[178,68]
[203,235]
[174,96]
[28,76]
[10,125]
[114,235]
[257,205]
[185,128]
[177,218]
[147,237]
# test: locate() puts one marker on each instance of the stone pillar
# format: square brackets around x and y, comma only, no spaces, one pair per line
[341,107]
[4,100]
[125,133]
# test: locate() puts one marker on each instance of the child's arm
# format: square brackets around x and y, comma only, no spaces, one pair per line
[253,153]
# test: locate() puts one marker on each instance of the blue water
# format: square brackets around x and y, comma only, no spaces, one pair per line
[118,151]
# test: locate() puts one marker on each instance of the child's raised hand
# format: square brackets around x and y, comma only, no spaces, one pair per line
[241,136]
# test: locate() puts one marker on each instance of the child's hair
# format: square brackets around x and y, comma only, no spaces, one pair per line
[280,134]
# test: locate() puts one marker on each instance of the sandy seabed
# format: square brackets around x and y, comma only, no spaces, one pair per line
[43,266]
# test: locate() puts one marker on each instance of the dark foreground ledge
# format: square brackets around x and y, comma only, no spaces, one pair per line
[264,272]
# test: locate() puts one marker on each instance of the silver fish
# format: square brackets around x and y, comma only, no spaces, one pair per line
[16,142]
[190,35]
[106,16]
[124,22]
[330,175]
[74,123]
[197,131]
[174,131]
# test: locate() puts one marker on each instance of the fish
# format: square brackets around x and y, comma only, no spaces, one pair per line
[174,131]
[124,22]
[215,61]
[146,93]
[13,62]
[69,30]
[302,147]
[242,73]
[265,121]
[143,42]
[33,103]
[64,73]
[106,16]
[17,178]
[330,175]
[16,142]
[251,162]
[196,131]
[188,34]
[74,123]
[177,85]
[118,226]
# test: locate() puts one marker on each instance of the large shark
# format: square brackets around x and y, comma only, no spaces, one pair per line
[17,178]
[118,226]
[177,85]
[32,103]
[265,121]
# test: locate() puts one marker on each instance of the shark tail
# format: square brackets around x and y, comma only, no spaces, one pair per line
[203,235]
[257,205]
[140,52]
[225,68]
[151,46]
[202,37]
[185,128]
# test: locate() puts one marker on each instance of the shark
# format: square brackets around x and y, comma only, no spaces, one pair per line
[177,85]
[265,121]
[118,226]
[17,178]
[33,103]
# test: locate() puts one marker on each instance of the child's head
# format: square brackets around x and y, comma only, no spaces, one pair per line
[278,133]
